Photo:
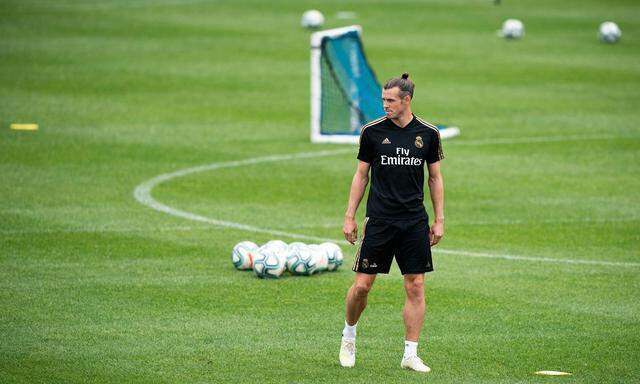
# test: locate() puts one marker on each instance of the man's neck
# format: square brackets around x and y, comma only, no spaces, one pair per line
[404,120]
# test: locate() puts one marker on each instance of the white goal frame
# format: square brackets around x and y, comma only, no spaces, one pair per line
[316,91]
[316,87]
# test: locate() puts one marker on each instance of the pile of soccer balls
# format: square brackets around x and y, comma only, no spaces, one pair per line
[512,29]
[273,258]
[608,32]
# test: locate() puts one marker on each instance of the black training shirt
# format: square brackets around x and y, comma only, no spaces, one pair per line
[397,157]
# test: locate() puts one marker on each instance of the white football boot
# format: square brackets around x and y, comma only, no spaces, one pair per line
[414,363]
[348,352]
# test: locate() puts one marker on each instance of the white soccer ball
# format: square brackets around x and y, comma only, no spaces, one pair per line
[609,32]
[302,261]
[242,254]
[278,245]
[334,255]
[296,245]
[312,19]
[512,29]
[320,256]
[267,263]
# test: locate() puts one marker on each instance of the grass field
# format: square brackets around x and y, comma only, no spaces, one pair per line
[539,267]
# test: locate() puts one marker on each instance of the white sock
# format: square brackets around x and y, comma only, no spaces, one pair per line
[349,331]
[410,348]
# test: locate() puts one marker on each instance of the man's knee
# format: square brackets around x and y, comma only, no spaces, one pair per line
[414,287]
[362,288]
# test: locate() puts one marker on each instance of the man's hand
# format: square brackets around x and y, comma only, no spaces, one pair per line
[436,232]
[350,230]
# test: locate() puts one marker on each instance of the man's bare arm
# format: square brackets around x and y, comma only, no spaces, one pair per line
[436,190]
[358,186]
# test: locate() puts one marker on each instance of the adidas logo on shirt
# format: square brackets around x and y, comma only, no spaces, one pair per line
[386,141]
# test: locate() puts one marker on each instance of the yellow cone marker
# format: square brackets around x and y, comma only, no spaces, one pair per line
[552,373]
[24,127]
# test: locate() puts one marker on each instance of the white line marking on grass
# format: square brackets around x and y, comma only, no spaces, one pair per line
[537,258]
[540,139]
[504,222]
[181,228]
[142,194]
[548,221]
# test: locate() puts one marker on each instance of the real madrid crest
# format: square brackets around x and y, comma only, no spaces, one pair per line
[365,263]
[419,143]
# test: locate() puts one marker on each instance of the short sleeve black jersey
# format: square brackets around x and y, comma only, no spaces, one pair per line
[397,156]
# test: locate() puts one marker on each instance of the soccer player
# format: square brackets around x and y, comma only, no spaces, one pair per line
[394,148]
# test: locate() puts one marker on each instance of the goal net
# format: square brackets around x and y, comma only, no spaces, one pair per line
[345,93]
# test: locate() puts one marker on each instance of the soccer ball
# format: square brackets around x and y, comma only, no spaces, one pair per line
[312,19]
[278,245]
[334,255]
[242,254]
[296,245]
[320,256]
[512,29]
[268,264]
[609,32]
[302,261]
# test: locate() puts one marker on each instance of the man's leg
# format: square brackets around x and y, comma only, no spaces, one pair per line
[356,301]
[413,314]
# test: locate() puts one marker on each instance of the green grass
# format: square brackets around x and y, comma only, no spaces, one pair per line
[95,287]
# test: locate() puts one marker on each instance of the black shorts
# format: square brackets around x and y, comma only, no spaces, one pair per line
[382,239]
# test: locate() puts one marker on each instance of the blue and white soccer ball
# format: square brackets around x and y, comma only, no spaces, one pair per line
[512,29]
[609,32]
[242,254]
[334,255]
[268,263]
[278,245]
[296,245]
[320,256]
[312,19]
[302,261]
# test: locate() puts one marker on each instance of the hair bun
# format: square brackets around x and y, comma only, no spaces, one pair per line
[405,75]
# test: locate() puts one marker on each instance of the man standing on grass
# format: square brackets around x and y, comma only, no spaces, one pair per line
[395,148]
